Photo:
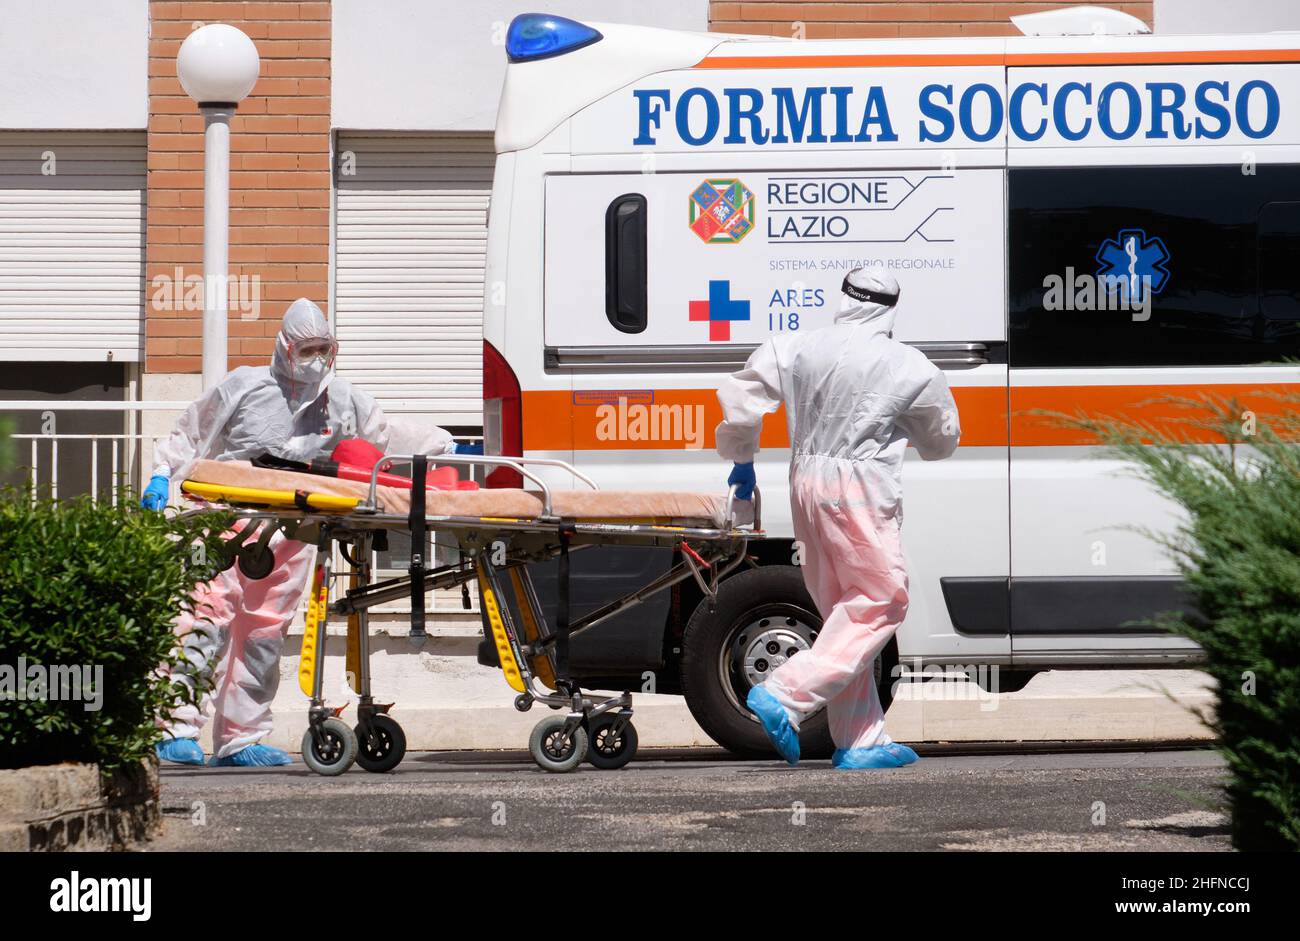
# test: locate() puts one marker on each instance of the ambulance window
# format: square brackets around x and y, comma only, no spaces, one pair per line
[1203,245]
[1279,261]
[625,263]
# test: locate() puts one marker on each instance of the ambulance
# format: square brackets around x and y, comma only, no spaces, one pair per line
[1083,220]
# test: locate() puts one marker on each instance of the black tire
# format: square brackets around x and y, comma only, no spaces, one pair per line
[541,744]
[605,750]
[256,565]
[335,753]
[229,553]
[389,748]
[714,686]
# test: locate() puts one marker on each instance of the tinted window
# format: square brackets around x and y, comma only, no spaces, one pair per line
[1279,261]
[1219,248]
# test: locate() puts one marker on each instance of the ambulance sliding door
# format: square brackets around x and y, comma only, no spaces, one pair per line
[721,260]
[658,284]
[1214,303]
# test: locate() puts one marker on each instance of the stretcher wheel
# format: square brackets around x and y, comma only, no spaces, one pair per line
[227,558]
[388,748]
[609,750]
[336,751]
[544,744]
[256,565]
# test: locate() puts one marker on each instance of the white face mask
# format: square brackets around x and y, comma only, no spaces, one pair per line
[312,371]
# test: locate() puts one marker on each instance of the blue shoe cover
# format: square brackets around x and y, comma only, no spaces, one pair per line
[892,755]
[253,756]
[771,715]
[181,751]
[902,752]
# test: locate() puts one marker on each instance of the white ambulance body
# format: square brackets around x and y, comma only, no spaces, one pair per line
[665,201]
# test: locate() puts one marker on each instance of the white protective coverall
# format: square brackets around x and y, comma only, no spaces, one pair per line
[292,411]
[855,398]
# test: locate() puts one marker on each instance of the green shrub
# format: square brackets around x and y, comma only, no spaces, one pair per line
[6,444]
[86,587]
[1238,548]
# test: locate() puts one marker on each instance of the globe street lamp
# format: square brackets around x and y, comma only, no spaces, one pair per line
[217,66]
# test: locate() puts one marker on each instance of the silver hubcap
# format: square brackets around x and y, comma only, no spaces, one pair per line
[763,645]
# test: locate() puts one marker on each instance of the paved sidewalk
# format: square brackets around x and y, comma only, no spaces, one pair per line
[703,799]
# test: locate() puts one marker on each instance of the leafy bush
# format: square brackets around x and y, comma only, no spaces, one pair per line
[6,444]
[1239,550]
[86,587]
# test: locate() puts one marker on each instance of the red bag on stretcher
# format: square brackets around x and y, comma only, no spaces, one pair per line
[355,459]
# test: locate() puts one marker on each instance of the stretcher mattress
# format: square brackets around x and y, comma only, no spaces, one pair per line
[625,506]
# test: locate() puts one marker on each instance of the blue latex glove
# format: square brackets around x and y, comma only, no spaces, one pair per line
[155,495]
[468,448]
[742,475]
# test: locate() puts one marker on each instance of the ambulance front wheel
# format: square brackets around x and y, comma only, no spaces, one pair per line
[551,752]
[763,616]
[335,751]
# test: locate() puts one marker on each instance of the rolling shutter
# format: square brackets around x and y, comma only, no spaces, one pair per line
[71,245]
[411,243]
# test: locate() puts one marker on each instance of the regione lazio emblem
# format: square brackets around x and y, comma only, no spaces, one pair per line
[721,211]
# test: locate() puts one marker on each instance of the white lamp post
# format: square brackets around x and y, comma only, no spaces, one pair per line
[217,66]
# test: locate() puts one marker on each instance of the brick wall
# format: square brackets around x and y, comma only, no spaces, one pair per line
[279,177]
[886,18]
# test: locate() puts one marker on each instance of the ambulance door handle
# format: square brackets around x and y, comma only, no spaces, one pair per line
[625,263]
[959,355]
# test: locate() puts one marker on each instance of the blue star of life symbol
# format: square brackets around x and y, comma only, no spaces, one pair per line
[1137,259]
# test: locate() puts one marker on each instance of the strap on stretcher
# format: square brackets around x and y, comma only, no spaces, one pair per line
[567,529]
[419,470]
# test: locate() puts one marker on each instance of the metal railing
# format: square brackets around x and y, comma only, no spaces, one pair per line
[126,449]
[130,462]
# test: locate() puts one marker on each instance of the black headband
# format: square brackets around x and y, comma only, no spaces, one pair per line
[866,294]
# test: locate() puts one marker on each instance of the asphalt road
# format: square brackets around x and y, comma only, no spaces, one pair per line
[703,799]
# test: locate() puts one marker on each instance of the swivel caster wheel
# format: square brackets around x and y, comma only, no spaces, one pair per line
[382,750]
[610,749]
[334,753]
[550,753]
[256,565]
[227,559]
[523,702]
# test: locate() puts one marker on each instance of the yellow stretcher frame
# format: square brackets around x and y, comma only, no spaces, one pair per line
[532,655]
[270,499]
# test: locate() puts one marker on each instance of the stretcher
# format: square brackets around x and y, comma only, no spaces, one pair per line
[498,533]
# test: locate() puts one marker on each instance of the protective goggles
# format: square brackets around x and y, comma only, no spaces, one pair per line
[305,351]
[866,294]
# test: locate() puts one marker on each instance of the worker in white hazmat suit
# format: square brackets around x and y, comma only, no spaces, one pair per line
[854,398]
[296,408]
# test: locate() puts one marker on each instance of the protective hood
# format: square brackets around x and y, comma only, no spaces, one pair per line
[855,310]
[302,385]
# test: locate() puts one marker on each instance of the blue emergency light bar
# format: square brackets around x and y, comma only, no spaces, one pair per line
[541,36]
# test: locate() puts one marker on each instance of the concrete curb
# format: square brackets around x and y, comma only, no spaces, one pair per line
[71,807]
[446,701]
[1058,706]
